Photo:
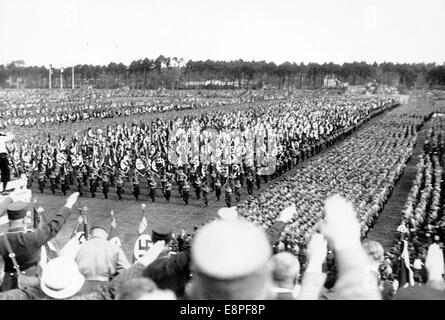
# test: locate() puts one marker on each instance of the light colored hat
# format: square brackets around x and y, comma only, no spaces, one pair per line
[229,249]
[61,278]
[228,213]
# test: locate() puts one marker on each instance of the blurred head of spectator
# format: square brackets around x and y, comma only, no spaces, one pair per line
[375,252]
[143,289]
[231,260]
[286,269]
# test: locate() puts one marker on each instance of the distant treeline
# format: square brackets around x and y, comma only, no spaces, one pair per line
[174,73]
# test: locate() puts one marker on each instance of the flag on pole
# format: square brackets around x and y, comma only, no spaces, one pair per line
[143,224]
[143,242]
[36,216]
[112,235]
[81,226]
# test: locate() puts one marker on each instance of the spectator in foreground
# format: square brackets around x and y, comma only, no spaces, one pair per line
[342,230]
[231,262]
[113,289]
[286,269]
[376,255]
[168,271]
[98,259]
[26,245]
[435,285]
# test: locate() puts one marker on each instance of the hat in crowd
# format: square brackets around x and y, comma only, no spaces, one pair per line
[227,213]
[230,260]
[103,224]
[61,278]
[162,231]
[374,250]
[17,210]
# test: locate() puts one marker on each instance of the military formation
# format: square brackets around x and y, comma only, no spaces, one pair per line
[215,152]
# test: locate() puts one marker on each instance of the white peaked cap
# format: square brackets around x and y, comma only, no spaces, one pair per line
[228,213]
[228,249]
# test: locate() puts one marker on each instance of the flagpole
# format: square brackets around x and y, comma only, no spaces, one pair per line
[61,78]
[50,73]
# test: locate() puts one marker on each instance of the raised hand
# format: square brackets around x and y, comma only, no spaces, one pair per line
[153,253]
[434,263]
[287,213]
[71,200]
[340,227]
[317,250]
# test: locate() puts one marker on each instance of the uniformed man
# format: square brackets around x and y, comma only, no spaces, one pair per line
[136,188]
[85,175]
[4,163]
[64,183]
[249,183]
[205,191]
[228,194]
[198,186]
[167,190]
[152,189]
[186,193]
[238,191]
[41,178]
[79,182]
[181,180]
[170,270]
[105,182]
[98,259]
[52,181]
[120,187]
[93,182]
[217,189]
[25,245]
[258,181]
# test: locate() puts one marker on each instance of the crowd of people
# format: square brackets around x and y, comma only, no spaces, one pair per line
[229,258]
[220,152]
[423,220]
[304,237]
[47,108]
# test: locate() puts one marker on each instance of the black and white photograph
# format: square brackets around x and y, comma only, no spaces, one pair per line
[222,150]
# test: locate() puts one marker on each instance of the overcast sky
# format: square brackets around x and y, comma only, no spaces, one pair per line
[100,31]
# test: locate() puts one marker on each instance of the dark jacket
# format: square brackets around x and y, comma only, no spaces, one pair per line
[170,271]
[26,245]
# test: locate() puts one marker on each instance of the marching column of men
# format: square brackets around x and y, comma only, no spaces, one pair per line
[203,179]
[126,154]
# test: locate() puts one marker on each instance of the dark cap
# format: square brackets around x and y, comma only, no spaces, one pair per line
[17,210]
[162,231]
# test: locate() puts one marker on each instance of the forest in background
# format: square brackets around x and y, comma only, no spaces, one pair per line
[175,73]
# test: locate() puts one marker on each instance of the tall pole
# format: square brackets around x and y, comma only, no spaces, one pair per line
[50,72]
[72,77]
[61,78]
